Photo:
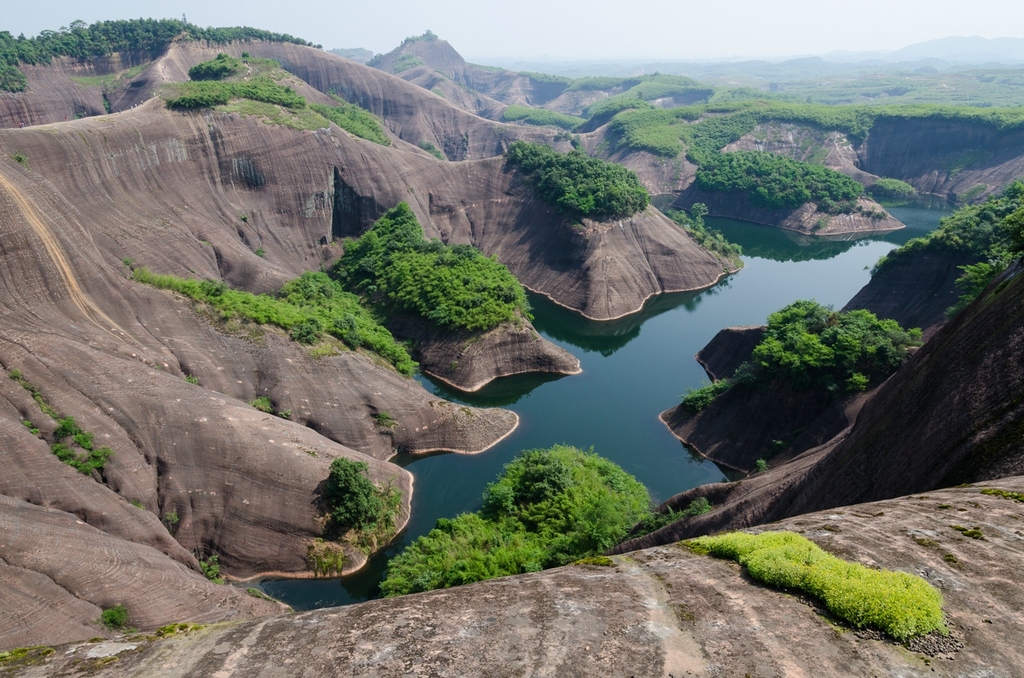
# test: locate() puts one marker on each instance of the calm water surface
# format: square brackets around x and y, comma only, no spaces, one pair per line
[633,369]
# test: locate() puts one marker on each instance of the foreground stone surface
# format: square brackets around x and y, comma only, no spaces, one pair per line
[657,612]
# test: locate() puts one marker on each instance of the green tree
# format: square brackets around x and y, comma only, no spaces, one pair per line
[547,508]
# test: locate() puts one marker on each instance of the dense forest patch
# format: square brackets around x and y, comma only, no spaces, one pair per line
[579,185]
[452,286]
[813,347]
[547,508]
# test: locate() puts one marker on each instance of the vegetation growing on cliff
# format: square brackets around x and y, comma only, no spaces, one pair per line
[104,38]
[547,508]
[358,509]
[891,188]
[540,117]
[218,68]
[577,184]
[990,233]
[71,444]
[663,131]
[452,286]
[812,346]
[777,182]
[306,307]
[708,238]
[900,604]
[354,120]
[210,93]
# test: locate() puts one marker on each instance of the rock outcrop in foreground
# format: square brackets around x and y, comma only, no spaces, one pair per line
[657,612]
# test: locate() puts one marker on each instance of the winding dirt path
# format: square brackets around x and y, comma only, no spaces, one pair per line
[56,253]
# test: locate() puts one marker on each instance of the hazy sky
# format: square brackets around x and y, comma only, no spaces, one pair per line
[487,30]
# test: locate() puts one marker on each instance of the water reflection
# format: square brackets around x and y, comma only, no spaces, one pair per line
[499,393]
[607,337]
[767,242]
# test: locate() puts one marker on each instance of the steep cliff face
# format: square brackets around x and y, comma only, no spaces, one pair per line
[471,360]
[952,414]
[657,612]
[914,291]
[943,157]
[169,191]
[774,423]
[806,219]
[603,270]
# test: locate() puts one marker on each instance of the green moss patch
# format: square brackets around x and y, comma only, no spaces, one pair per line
[1005,494]
[900,604]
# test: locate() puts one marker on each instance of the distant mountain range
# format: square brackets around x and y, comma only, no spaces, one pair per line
[959,49]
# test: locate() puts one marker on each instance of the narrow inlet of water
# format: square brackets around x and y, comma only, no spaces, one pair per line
[633,369]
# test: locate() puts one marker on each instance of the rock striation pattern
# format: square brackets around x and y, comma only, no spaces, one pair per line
[662,611]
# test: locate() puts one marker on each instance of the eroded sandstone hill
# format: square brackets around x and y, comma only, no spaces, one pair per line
[221,196]
[660,611]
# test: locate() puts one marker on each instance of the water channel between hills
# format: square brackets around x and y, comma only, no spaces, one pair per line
[633,369]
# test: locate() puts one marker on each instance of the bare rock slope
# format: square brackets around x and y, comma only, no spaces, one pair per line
[657,612]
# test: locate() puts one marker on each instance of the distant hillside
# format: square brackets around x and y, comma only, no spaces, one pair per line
[357,54]
[959,49]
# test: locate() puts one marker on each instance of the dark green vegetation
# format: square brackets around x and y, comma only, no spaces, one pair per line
[579,185]
[902,605]
[115,618]
[810,346]
[777,182]
[540,116]
[354,120]
[656,521]
[1005,494]
[221,67]
[814,346]
[210,567]
[708,238]
[696,399]
[990,233]
[313,303]
[547,508]
[433,150]
[71,444]
[75,447]
[356,509]
[104,38]
[891,188]
[452,286]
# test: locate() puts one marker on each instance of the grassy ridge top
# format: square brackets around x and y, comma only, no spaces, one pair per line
[104,38]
